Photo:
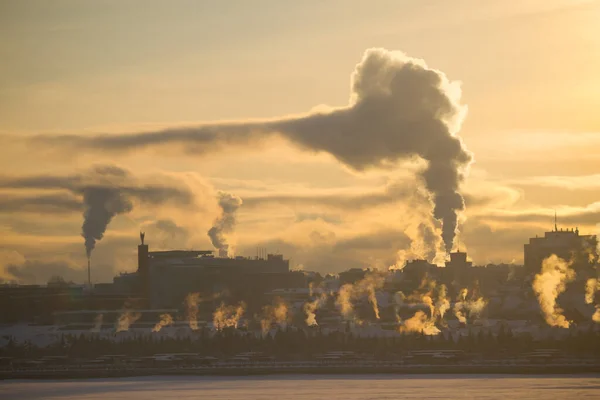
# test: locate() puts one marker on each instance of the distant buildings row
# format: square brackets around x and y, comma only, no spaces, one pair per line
[163,279]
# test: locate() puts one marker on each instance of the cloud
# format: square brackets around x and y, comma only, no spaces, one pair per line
[569,216]
[580,182]
[35,259]
[170,228]
[104,176]
[58,203]
[39,272]
[329,218]
[348,200]
[400,109]
[486,244]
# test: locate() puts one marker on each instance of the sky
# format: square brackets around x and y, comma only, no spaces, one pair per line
[528,77]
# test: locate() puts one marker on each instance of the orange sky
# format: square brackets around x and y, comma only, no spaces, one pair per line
[529,73]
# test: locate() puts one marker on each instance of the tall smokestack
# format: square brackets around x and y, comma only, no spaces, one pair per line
[142,270]
[89,274]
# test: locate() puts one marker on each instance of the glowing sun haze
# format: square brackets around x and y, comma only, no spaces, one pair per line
[166,108]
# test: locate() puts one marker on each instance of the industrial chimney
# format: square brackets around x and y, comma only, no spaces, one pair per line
[89,274]
[142,270]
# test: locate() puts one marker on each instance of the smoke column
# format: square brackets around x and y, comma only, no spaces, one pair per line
[442,303]
[101,205]
[344,302]
[228,316]
[549,284]
[191,309]
[369,285]
[590,290]
[591,286]
[458,306]
[106,191]
[226,222]
[365,287]
[311,307]
[399,298]
[596,316]
[428,301]
[277,313]
[165,320]
[127,318]
[421,321]
[399,108]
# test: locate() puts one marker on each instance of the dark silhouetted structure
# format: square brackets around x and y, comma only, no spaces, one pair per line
[567,244]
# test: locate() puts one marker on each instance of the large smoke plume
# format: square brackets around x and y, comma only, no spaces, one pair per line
[549,284]
[225,223]
[101,205]
[105,191]
[399,109]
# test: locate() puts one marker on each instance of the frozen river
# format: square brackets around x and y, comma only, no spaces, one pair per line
[298,387]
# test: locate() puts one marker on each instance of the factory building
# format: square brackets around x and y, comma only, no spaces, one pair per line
[566,244]
[167,277]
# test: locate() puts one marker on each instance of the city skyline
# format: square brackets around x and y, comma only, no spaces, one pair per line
[526,72]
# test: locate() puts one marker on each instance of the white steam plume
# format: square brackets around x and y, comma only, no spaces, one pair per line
[365,287]
[471,308]
[225,223]
[418,323]
[125,320]
[311,307]
[421,321]
[442,303]
[596,316]
[276,313]
[549,284]
[228,316]
[191,309]
[165,320]
[591,286]
[344,302]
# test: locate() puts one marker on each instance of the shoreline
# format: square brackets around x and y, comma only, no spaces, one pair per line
[301,370]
